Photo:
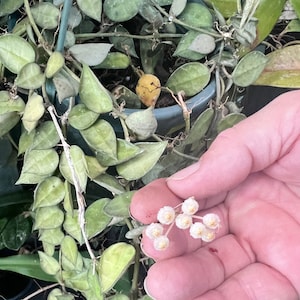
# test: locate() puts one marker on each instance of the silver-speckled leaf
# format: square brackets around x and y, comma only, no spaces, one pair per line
[72,227]
[48,218]
[121,10]
[46,15]
[92,93]
[95,217]
[30,77]
[191,78]
[38,165]
[80,117]
[49,192]
[138,166]
[92,8]
[249,68]
[48,263]
[9,104]
[15,52]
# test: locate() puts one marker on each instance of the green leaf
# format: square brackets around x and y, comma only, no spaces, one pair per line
[138,166]
[110,183]
[26,140]
[8,121]
[183,47]
[92,8]
[96,219]
[15,52]
[142,123]
[126,150]
[229,121]
[101,137]
[65,85]
[226,7]
[177,7]
[28,265]
[38,165]
[77,157]
[81,117]
[191,78]
[48,263]
[69,250]
[92,93]
[119,206]
[49,192]
[72,227]
[114,60]
[113,263]
[16,232]
[121,43]
[48,217]
[196,15]
[282,68]
[296,7]
[45,136]
[120,11]
[53,236]
[91,54]
[54,64]
[34,110]
[8,7]
[10,104]
[46,15]
[94,169]
[30,77]
[249,68]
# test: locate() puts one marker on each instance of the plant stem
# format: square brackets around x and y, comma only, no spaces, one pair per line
[79,193]
[127,35]
[33,25]
[41,290]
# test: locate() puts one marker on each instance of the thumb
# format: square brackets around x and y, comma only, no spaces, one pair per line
[252,145]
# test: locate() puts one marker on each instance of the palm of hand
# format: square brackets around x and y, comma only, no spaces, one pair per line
[257,251]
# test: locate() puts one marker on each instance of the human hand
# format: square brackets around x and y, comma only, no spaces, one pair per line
[250,177]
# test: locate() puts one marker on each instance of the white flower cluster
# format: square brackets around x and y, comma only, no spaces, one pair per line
[183,217]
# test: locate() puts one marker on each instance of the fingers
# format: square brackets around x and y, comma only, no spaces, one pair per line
[250,146]
[189,276]
[256,281]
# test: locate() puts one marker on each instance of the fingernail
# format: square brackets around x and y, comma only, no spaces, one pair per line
[184,173]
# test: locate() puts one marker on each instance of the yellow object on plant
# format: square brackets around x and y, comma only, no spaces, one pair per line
[148,89]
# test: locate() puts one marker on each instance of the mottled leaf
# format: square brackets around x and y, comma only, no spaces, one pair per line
[191,78]
[81,117]
[77,159]
[48,217]
[48,263]
[282,68]
[92,93]
[72,227]
[113,263]
[94,168]
[110,183]
[15,52]
[46,15]
[30,77]
[92,8]
[177,7]
[91,54]
[249,68]
[119,10]
[53,236]
[10,104]
[49,192]
[96,219]
[8,121]
[8,7]
[38,165]
[138,166]
[119,206]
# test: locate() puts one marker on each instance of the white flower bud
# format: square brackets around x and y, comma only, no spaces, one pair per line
[166,215]
[211,221]
[183,221]
[154,230]
[197,229]
[190,206]
[161,243]
[208,235]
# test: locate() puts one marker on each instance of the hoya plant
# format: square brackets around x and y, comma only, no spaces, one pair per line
[72,154]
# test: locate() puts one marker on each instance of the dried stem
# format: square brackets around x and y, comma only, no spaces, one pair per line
[79,193]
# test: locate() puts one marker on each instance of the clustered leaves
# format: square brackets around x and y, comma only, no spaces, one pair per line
[183,217]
